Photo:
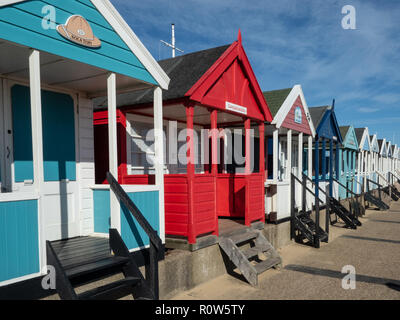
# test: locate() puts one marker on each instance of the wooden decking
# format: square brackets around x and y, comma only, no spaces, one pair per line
[227,226]
[73,252]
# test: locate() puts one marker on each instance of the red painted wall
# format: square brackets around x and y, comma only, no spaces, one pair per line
[101,161]
[289,122]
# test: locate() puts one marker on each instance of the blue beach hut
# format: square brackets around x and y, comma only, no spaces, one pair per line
[56,56]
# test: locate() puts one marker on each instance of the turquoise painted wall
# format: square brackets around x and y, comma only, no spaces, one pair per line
[101,210]
[58,117]
[19,239]
[131,232]
[58,135]
[22,133]
[22,23]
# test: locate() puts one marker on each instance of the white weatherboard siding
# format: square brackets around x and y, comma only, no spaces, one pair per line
[86,165]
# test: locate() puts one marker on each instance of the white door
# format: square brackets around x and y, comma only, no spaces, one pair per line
[59,193]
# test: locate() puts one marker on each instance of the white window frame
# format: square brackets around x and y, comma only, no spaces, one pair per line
[132,118]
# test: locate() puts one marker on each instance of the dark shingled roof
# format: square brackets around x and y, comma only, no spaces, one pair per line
[184,71]
[359,134]
[317,113]
[380,142]
[275,99]
[344,130]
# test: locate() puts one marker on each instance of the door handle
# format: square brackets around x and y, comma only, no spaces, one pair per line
[8,152]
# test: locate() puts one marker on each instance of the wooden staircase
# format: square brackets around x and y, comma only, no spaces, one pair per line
[376,201]
[250,252]
[84,261]
[305,228]
[369,197]
[349,219]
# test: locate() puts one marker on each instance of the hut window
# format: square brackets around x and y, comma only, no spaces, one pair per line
[142,148]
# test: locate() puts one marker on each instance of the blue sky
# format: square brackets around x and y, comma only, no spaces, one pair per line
[293,42]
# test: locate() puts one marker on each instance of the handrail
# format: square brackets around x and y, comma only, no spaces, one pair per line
[309,179]
[375,183]
[343,186]
[398,179]
[310,191]
[122,195]
[151,269]
[383,178]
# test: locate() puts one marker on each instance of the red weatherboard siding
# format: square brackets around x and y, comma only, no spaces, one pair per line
[289,120]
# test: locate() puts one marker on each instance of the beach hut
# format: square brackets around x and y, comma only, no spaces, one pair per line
[363,158]
[289,130]
[374,159]
[303,225]
[214,90]
[56,56]
[327,149]
[382,160]
[347,161]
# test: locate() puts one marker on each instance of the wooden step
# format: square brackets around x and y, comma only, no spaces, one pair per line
[244,237]
[107,291]
[94,266]
[254,251]
[267,264]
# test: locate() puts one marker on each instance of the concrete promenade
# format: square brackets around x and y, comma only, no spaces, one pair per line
[309,273]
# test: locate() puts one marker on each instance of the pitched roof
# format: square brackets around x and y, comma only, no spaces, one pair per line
[317,113]
[344,130]
[359,134]
[122,29]
[184,71]
[276,98]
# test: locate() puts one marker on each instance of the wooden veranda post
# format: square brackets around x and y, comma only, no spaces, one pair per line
[112,147]
[190,171]
[214,160]
[247,128]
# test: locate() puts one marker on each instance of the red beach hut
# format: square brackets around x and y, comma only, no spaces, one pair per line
[212,89]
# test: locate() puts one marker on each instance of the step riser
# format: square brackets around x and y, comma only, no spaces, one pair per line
[241,258]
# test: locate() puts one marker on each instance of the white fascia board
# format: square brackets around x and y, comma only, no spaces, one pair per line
[365,136]
[8,2]
[287,106]
[382,151]
[374,142]
[132,41]
[127,35]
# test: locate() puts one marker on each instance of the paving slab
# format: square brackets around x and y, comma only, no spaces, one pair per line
[309,274]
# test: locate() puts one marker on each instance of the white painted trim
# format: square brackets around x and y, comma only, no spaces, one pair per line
[20,279]
[18,196]
[275,146]
[128,188]
[140,188]
[365,136]
[300,155]
[287,106]
[37,145]
[381,151]
[8,2]
[310,157]
[127,35]
[132,41]
[128,146]
[100,187]
[159,155]
[113,148]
